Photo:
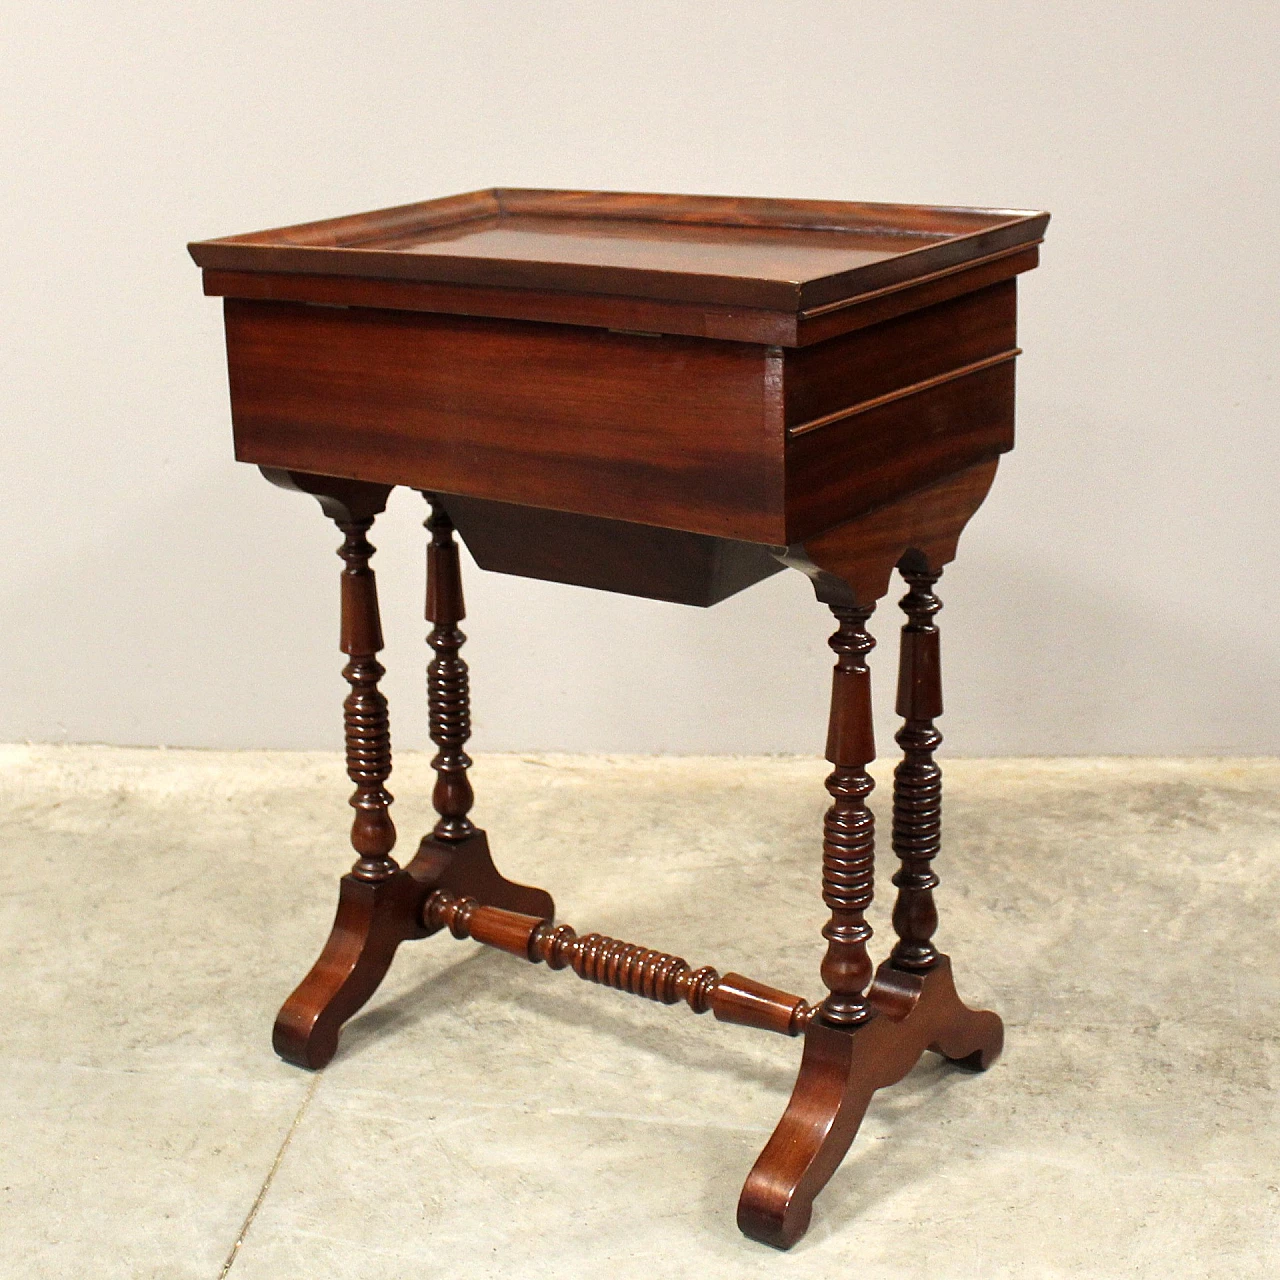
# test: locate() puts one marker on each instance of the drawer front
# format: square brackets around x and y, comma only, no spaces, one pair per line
[679,432]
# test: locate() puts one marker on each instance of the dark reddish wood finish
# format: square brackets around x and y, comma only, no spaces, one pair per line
[874,1039]
[686,435]
[610,555]
[611,311]
[668,431]
[782,255]
[640,971]
[841,377]
[352,506]
[917,781]
[373,919]
[848,831]
[852,562]
[448,689]
[364,713]
[839,1072]
[651,394]
[738,441]
[879,377]
[598,311]
[380,903]
[890,409]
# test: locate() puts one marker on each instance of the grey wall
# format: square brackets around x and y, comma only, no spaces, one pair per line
[1113,596]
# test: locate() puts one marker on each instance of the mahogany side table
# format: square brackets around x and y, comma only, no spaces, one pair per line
[674,397]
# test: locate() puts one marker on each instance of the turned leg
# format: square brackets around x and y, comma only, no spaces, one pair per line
[862,1038]
[848,844]
[917,781]
[448,690]
[974,1041]
[364,713]
[455,855]
[822,1117]
[378,903]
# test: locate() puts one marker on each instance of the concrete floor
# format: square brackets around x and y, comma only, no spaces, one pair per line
[485,1118]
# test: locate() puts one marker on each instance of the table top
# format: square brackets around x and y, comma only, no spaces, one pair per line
[757,371]
[776,254]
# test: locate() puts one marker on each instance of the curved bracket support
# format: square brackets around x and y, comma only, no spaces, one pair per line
[342,500]
[850,564]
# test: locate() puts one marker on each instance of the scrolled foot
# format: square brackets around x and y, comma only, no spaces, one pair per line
[817,1128]
[990,1042]
[969,1038]
[839,1073]
[372,920]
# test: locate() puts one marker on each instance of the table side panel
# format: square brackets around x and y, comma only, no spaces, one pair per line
[677,432]
[877,413]
[846,371]
[851,467]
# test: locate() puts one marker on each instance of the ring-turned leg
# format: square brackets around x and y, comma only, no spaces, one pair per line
[917,781]
[974,1041]
[826,1105]
[848,830]
[376,902]
[863,1040]
[455,855]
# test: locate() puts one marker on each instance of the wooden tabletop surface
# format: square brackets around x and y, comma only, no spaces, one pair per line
[778,254]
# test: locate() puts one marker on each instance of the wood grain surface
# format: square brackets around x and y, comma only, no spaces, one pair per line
[777,254]
[668,396]
[669,431]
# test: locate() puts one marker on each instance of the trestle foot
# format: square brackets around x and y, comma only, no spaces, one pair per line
[465,867]
[373,920]
[839,1072]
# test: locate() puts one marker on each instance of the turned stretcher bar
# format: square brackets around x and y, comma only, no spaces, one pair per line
[625,966]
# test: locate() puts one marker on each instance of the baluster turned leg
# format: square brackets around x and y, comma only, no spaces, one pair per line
[848,846]
[828,1101]
[917,781]
[378,903]
[455,855]
[448,692]
[364,713]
